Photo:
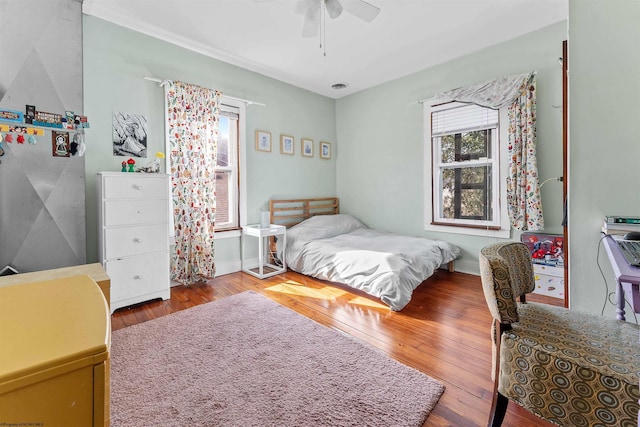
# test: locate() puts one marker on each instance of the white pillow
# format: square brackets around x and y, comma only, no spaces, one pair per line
[325,226]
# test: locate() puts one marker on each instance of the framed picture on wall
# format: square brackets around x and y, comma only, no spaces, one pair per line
[306,147]
[325,150]
[60,144]
[129,134]
[286,144]
[263,140]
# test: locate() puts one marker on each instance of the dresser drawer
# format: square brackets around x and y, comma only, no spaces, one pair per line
[132,212]
[138,240]
[138,276]
[548,270]
[549,280]
[135,187]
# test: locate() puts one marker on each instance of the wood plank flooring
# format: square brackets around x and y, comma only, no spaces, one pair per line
[443,332]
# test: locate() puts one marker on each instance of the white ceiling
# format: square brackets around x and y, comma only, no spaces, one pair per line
[265,35]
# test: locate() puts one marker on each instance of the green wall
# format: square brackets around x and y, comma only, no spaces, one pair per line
[377,169]
[604,149]
[380,165]
[115,63]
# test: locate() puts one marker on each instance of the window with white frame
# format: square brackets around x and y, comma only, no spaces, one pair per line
[465,166]
[227,169]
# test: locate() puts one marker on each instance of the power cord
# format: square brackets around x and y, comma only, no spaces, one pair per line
[275,259]
[604,279]
[273,255]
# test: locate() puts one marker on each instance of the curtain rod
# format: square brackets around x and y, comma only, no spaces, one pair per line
[246,101]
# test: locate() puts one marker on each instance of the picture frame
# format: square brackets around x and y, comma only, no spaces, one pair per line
[130,133]
[263,141]
[60,146]
[306,147]
[286,144]
[325,150]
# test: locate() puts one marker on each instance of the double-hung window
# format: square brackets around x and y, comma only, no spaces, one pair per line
[227,169]
[465,166]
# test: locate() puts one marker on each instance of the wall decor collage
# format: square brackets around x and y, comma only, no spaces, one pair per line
[287,145]
[26,126]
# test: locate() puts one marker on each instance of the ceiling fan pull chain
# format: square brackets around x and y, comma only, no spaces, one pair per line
[323,42]
[321,32]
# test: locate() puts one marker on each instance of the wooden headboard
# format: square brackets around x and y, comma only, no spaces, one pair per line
[293,211]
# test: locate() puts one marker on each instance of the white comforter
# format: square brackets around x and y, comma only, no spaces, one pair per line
[339,248]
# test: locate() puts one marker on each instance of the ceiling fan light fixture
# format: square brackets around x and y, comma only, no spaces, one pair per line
[339,86]
[314,9]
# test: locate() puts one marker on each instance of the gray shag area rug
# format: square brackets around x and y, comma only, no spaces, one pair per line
[246,360]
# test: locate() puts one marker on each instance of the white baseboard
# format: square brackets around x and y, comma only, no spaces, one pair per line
[234,267]
[223,268]
[467,266]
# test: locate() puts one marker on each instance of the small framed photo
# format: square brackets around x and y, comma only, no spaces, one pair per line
[60,144]
[263,140]
[286,144]
[325,150]
[306,147]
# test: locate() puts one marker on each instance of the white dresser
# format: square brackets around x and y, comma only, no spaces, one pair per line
[133,235]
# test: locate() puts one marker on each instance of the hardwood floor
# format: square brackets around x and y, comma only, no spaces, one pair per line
[443,332]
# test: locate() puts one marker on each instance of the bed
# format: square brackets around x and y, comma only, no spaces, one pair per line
[328,245]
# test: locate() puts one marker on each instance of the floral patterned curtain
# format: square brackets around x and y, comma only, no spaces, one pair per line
[192,131]
[523,185]
[518,92]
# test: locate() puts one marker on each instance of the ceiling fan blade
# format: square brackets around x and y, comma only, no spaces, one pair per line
[360,8]
[311,23]
[334,8]
[303,5]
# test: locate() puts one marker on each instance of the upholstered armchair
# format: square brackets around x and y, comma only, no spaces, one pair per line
[567,367]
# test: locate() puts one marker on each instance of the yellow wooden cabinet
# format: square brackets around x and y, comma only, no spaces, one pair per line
[55,337]
[94,270]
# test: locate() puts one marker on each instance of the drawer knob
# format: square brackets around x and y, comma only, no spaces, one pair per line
[137,240]
[137,277]
[137,186]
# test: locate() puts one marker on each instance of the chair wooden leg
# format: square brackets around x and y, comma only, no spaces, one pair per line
[499,402]
[498,410]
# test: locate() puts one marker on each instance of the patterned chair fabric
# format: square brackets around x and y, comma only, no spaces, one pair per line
[570,368]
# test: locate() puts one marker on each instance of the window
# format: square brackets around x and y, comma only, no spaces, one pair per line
[464,170]
[227,169]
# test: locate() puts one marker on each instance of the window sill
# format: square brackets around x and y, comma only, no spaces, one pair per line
[228,234]
[502,233]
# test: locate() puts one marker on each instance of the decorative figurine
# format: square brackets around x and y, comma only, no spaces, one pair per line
[124,166]
[152,166]
[132,164]
[156,161]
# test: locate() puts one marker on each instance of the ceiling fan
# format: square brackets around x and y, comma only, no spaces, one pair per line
[312,10]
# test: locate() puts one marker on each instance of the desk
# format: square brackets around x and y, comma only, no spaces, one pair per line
[627,278]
